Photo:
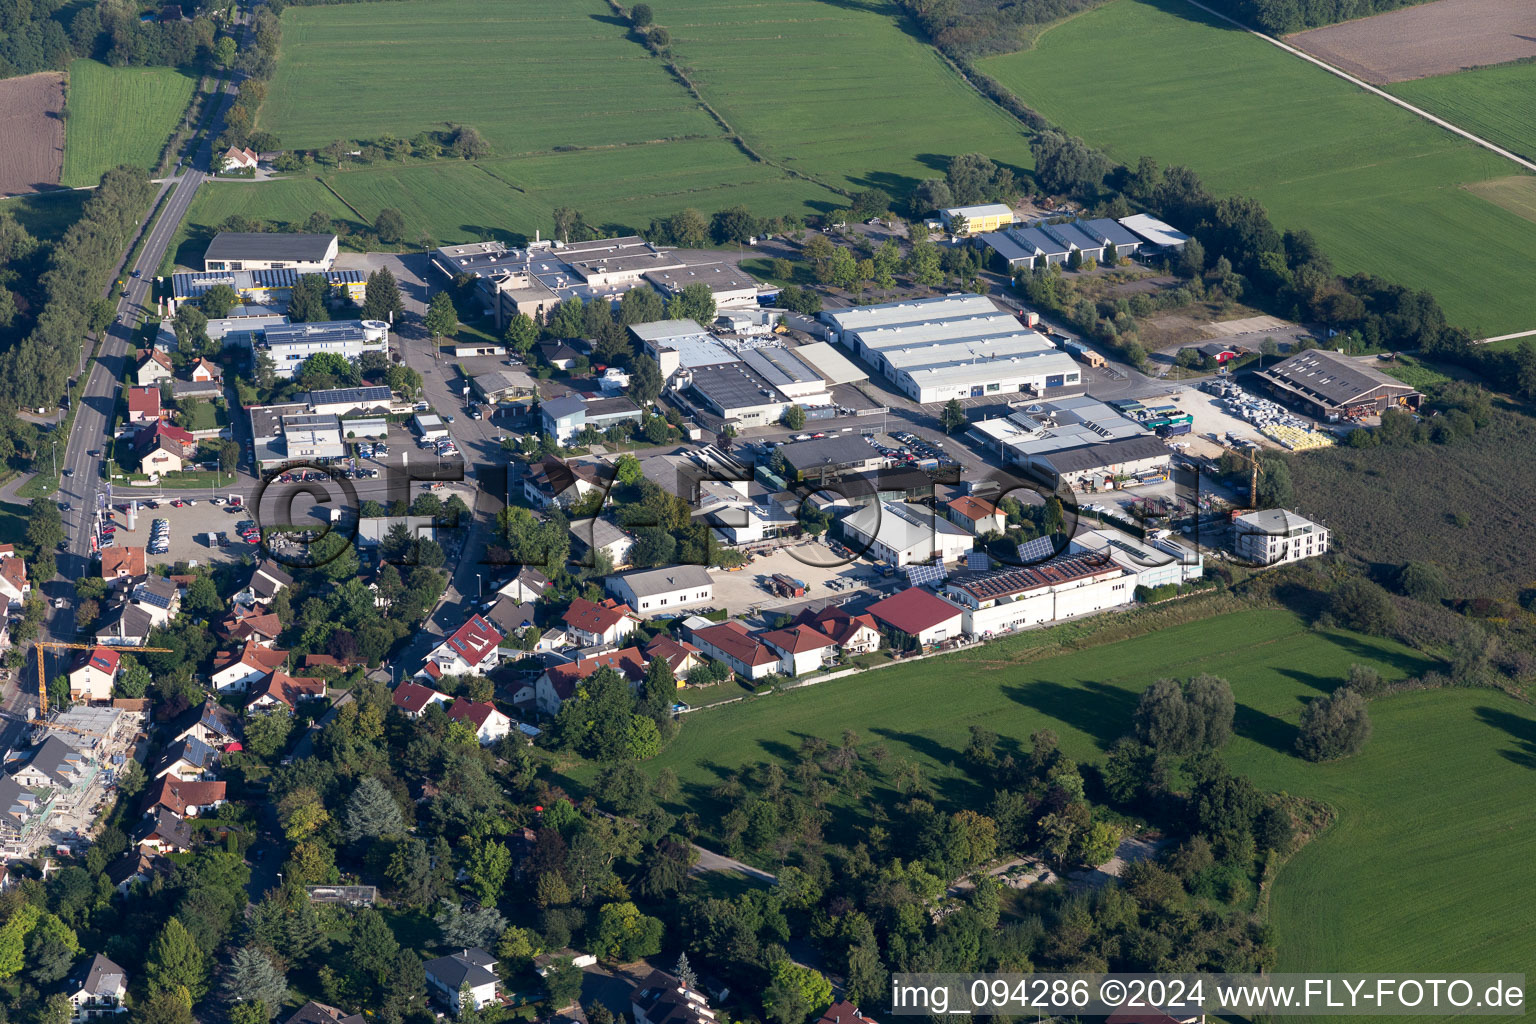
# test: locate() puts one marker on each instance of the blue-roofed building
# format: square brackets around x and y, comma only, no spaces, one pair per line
[1108,230]
[1010,249]
[1043,244]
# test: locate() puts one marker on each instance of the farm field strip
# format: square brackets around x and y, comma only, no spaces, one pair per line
[1432,810]
[120,116]
[1427,39]
[1497,103]
[32,130]
[580,83]
[851,98]
[1370,180]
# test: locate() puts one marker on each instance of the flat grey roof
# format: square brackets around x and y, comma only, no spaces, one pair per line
[837,450]
[1109,453]
[269,245]
[780,366]
[735,386]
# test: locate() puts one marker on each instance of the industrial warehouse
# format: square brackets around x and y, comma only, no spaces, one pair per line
[955,346]
[1082,442]
[1334,387]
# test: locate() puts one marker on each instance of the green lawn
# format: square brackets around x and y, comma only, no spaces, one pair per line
[13,525]
[1497,103]
[840,91]
[1372,181]
[1433,835]
[46,215]
[119,116]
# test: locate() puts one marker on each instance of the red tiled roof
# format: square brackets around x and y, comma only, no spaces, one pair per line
[629,663]
[289,690]
[474,640]
[836,623]
[472,712]
[102,659]
[844,1012]
[327,661]
[413,697]
[733,639]
[176,796]
[797,639]
[144,401]
[154,355]
[252,655]
[268,626]
[14,570]
[973,508]
[913,611]
[676,652]
[596,618]
[123,561]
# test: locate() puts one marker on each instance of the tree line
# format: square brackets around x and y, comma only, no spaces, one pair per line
[45,35]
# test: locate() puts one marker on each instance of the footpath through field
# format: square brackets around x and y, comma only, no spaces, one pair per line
[1426,115]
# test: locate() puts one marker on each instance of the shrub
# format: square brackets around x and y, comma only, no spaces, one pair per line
[1334,726]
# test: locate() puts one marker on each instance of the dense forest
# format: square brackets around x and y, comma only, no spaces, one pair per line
[45,35]
[1282,16]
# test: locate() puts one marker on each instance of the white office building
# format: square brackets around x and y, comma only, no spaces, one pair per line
[1003,600]
[1277,535]
[901,534]
[288,345]
[655,591]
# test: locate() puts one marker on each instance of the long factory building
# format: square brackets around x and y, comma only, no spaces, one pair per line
[954,346]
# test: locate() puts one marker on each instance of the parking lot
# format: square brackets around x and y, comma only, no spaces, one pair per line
[745,591]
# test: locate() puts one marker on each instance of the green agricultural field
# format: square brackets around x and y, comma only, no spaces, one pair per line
[46,215]
[529,74]
[119,116]
[1372,181]
[1497,103]
[1433,810]
[618,190]
[839,91]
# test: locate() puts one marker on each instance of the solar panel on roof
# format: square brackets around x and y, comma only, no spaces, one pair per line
[1032,552]
[925,575]
[976,561]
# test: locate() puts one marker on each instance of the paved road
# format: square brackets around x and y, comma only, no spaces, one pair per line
[711,861]
[84,483]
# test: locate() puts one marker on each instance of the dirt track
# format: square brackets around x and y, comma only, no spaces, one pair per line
[1430,39]
[33,154]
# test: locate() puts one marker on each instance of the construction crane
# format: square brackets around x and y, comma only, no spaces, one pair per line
[42,678]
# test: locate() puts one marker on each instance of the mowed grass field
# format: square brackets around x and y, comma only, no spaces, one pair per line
[837,90]
[1372,181]
[618,190]
[1498,103]
[119,116]
[529,74]
[1422,867]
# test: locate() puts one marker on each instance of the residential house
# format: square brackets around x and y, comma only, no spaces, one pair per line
[800,648]
[528,585]
[413,699]
[267,579]
[55,765]
[188,760]
[919,616]
[510,617]
[123,624]
[234,159]
[844,1012]
[734,644]
[93,675]
[978,515]
[488,724]
[157,597]
[122,563]
[319,1013]
[162,832]
[1274,536]
[144,404]
[279,689]
[663,999]
[235,672]
[474,648]
[557,354]
[96,990]
[592,535]
[163,448]
[213,724]
[183,798]
[853,634]
[551,481]
[205,372]
[13,579]
[595,624]
[654,591]
[262,629]
[448,975]
[153,367]
[559,682]
[681,656]
[22,814]
[136,866]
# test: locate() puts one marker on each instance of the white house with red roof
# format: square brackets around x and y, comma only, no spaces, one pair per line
[93,675]
[734,644]
[239,159]
[853,634]
[489,724]
[413,699]
[13,577]
[593,624]
[279,689]
[473,649]
[559,682]
[234,672]
[919,615]
[801,648]
[143,404]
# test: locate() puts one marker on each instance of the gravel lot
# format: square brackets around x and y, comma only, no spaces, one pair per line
[814,563]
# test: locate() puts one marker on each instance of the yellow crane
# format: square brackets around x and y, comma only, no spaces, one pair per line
[42,677]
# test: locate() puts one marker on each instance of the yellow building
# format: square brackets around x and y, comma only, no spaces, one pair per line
[974,220]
